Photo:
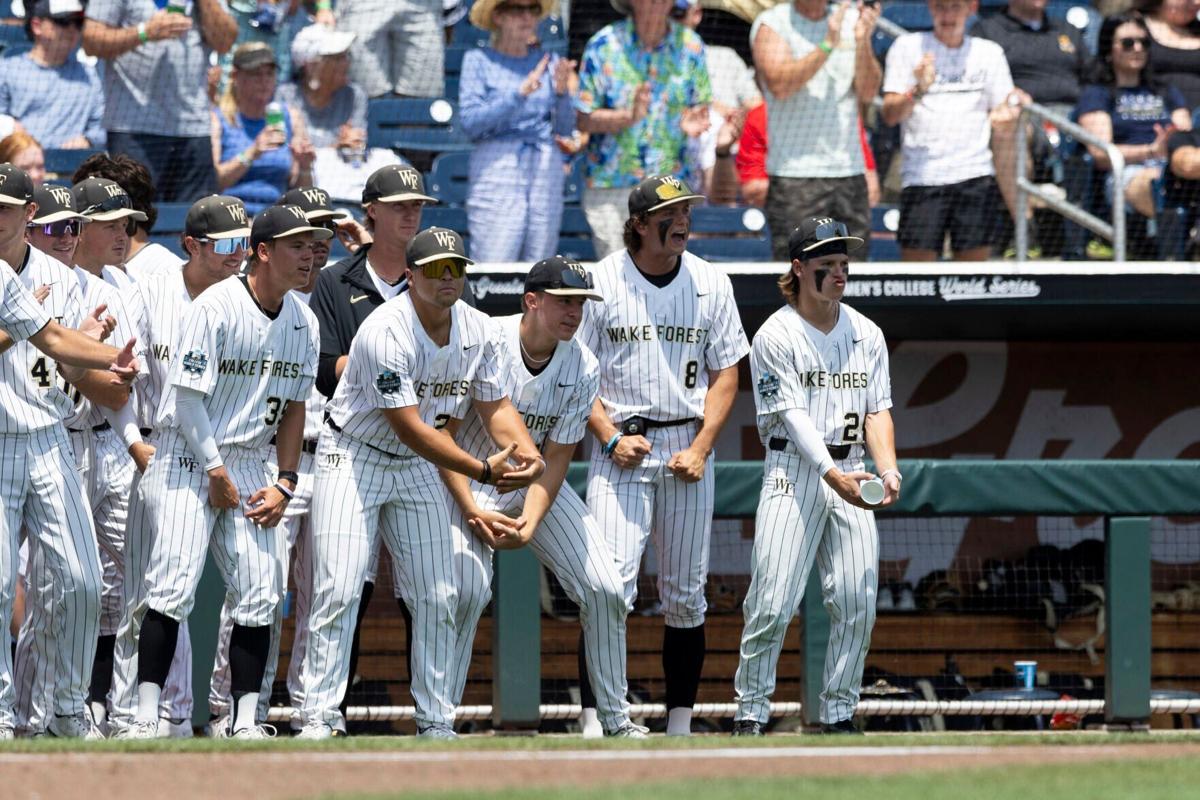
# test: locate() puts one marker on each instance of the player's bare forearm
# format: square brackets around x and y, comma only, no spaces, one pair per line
[97,386]
[503,422]
[6,341]
[868,75]
[72,348]
[217,26]
[289,438]
[544,491]
[429,443]
[718,404]
[457,484]
[880,435]
[600,424]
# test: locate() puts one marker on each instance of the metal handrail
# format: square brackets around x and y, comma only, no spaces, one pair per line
[1115,232]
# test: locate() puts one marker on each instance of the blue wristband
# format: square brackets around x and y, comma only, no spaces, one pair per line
[612,443]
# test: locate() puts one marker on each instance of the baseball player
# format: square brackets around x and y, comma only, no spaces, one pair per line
[822,393]
[415,364]
[319,212]
[668,338]
[216,235]
[552,380]
[245,362]
[39,485]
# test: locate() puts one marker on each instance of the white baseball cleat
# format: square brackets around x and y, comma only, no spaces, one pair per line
[437,731]
[73,726]
[315,731]
[255,732]
[140,729]
[218,728]
[6,734]
[629,730]
[173,729]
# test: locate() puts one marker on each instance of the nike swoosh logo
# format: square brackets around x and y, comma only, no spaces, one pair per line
[354,300]
[299,327]
[470,346]
[701,294]
[565,385]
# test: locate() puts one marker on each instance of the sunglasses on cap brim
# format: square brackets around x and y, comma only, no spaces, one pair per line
[830,231]
[571,279]
[434,270]
[64,227]
[120,202]
[227,247]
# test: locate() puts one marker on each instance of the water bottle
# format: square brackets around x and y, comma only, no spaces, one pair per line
[178,6]
[268,16]
[275,115]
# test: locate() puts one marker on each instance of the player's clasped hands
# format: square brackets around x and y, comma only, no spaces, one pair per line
[125,367]
[500,531]
[512,470]
[631,451]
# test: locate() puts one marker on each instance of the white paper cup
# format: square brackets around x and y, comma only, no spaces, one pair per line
[872,491]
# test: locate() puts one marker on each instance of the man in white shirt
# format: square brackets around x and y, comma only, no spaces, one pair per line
[947,90]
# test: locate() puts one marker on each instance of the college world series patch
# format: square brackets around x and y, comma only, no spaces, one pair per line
[195,362]
[768,385]
[388,382]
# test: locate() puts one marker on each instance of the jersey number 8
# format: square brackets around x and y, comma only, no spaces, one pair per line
[690,373]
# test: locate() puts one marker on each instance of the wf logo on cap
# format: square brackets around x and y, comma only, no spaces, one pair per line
[296,212]
[237,212]
[408,177]
[61,194]
[578,269]
[669,189]
[445,238]
[113,190]
[316,197]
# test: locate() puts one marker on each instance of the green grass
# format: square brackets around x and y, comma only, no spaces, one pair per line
[1172,779]
[560,742]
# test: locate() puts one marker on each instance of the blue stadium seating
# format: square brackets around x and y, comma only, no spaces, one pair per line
[419,124]
[884,222]
[575,236]
[451,217]
[730,234]
[171,217]
[65,162]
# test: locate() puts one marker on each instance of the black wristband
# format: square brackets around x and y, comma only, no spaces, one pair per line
[487,473]
[289,475]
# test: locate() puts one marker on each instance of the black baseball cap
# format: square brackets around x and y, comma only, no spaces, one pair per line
[658,192]
[561,276]
[434,243]
[395,183]
[279,222]
[55,203]
[55,9]
[16,189]
[820,232]
[102,200]
[252,55]
[315,203]
[217,217]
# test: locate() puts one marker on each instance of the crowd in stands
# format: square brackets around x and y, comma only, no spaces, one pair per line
[254,97]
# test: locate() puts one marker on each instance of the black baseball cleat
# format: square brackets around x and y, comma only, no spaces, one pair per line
[747,727]
[845,727]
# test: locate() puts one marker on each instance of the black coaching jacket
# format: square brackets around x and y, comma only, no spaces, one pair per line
[343,297]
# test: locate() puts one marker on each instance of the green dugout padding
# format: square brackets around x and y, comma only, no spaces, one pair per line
[1127,493]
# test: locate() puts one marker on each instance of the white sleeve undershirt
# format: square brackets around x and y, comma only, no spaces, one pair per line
[806,439]
[196,427]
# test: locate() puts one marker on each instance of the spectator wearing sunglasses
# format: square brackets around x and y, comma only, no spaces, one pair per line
[515,100]
[1131,108]
[111,222]
[56,98]
[154,76]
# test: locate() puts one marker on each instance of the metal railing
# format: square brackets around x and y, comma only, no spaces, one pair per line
[1114,232]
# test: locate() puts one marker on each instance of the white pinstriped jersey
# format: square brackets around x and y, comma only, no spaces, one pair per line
[394,364]
[555,403]
[152,260]
[246,364]
[115,276]
[21,316]
[657,345]
[30,387]
[155,307]
[95,292]
[836,378]
[314,406]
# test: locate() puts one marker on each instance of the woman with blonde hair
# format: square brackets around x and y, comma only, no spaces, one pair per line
[24,152]
[261,149]
[516,103]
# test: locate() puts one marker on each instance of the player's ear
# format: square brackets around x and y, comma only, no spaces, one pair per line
[30,211]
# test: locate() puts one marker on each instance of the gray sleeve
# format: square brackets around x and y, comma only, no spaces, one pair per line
[358,111]
[110,12]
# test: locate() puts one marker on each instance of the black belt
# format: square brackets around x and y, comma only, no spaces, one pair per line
[637,426]
[146,432]
[334,426]
[838,452]
[103,426]
[308,445]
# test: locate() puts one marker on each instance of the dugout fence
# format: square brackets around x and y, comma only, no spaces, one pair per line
[945,658]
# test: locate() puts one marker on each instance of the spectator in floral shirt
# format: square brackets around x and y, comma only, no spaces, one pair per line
[643,91]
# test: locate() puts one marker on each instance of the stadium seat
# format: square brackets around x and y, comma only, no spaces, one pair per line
[451,217]
[448,178]
[885,221]
[171,217]
[575,235]
[730,234]
[65,162]
[573,185]
[13,40]
[419,124]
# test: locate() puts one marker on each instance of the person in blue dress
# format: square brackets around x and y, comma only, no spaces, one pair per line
[516,104]
[258,158]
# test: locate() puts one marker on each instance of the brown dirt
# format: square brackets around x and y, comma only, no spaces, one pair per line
[268,775]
